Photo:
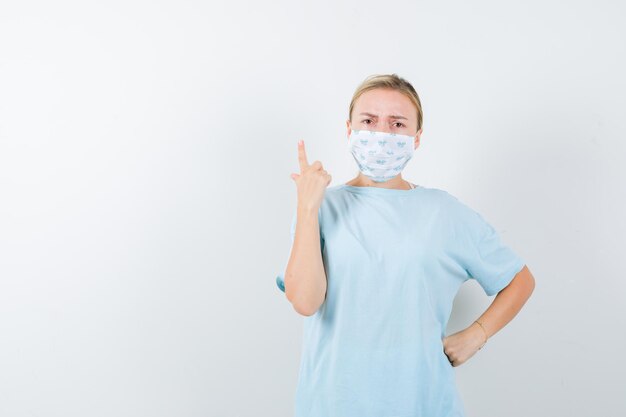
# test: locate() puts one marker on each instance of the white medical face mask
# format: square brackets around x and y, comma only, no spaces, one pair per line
[380,155]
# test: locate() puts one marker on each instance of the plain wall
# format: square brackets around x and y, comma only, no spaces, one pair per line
[145,197]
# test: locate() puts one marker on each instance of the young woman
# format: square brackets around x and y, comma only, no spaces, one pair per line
[375,265]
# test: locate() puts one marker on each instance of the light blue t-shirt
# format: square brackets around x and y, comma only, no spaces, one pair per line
[394,260]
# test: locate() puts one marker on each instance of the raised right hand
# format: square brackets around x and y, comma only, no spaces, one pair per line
[311,182]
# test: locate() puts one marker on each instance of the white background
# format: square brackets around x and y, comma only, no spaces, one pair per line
[145,197]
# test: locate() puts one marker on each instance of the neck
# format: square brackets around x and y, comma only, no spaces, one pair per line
[396,183]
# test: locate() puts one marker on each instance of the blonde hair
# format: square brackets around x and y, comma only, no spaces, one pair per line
[390,81]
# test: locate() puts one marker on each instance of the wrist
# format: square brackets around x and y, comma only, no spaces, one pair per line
[481,333]
[307,210]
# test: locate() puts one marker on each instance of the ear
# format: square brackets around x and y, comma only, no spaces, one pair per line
[349,128]
[418,136]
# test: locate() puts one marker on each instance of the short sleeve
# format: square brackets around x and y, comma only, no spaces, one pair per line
[488,259]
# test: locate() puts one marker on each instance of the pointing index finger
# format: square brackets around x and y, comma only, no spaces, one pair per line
[302,156]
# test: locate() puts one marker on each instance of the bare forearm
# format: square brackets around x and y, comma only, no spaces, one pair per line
[305,277]
[506,305]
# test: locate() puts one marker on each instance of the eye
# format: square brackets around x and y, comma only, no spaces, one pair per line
[399,123]
[365,120]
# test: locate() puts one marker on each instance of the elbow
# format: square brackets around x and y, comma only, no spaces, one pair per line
[302,304]
[529,280]
[524,282]
[304,310]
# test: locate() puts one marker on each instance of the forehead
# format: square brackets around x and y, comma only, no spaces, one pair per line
[381,101]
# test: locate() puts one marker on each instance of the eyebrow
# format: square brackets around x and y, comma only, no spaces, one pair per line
[391,116]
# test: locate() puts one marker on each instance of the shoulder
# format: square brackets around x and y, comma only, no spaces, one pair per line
[458,212]
[334,193]
[447,201]
[450,200]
